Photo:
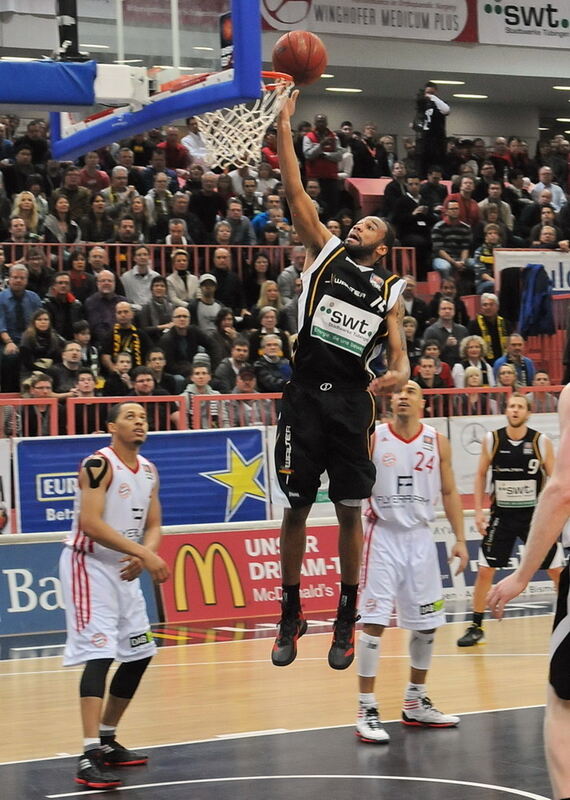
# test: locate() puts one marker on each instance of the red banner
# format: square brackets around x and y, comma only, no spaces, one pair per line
[236,574]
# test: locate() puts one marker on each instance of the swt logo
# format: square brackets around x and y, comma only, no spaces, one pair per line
[529,16]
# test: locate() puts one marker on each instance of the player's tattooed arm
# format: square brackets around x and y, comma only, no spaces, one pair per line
[96,467]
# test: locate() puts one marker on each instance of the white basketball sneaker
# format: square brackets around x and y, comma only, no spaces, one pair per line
[368,726]
[421,712]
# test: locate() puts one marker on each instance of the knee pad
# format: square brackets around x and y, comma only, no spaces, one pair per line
[368,653]
[94,676]
[421,649]
[127,678]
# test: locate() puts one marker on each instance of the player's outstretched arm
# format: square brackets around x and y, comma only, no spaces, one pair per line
[550,516]
[398,371]
[304,215]
[94,479]
[452,503]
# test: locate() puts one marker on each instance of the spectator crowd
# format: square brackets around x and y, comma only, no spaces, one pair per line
[124,273]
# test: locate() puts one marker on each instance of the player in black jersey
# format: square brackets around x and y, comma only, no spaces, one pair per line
[520,459]
[349,309]
[551,515]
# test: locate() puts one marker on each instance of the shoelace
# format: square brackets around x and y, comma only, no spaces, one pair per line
[372,718]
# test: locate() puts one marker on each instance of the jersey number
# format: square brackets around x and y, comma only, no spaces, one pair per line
[533,466]
[420,466]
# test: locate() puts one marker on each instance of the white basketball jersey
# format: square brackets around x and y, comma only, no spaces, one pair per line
[126,505]
[408,478]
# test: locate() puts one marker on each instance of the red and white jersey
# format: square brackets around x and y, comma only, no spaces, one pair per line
[408,478]
[126,504]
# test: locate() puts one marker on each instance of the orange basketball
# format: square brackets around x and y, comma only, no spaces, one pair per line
[302,55]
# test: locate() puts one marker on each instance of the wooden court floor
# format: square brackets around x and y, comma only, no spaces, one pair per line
[203,691]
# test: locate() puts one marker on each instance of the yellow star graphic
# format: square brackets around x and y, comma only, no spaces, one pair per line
[241,478]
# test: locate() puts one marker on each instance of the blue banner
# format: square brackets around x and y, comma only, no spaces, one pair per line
[205,477]
[31,599]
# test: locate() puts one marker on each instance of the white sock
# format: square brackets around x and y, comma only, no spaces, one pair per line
[415,691]
[368,700]
[91,744]
[107,730]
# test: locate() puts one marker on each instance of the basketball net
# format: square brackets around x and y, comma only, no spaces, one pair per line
[234,136]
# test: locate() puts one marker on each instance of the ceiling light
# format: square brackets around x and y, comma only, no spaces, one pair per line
[447,83]
[342,90]
[327,75]
[562,119]
[562,88]
[202,48]
[128,61]
[17,58]
[544,129]
[566,131]
[95,46]
[472,96]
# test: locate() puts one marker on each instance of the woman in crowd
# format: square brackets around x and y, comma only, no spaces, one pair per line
[97,226]
[267,325]
[83,284]
[256,275]
[156,316]
[473,352]
[223,337]
[140,213]
[25,207]
[35,184]
[269,295]
[413,342]
[266,180]
[181,283]
[506,379]
[41,346]
[475,402]
[222,233]
[58,226]
[225,187]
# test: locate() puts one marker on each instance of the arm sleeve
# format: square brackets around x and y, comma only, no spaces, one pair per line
[441,106]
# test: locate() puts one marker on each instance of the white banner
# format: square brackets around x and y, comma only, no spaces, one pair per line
[399,19]
[526,24]
[556,264]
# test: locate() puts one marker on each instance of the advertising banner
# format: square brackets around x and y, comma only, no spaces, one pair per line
[556,264]
[31,599]
[205,477]
[234,573]
[526,23]
[453,21]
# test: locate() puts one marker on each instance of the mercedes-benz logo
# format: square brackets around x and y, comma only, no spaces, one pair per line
[325,387]
[471,437]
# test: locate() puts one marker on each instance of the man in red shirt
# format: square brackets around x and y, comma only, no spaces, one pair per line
[91,176]
[468,208]
[323,152]
[177,156]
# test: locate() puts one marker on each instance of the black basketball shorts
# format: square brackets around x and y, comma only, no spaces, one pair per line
[559,674]
[319,430]
[499,540]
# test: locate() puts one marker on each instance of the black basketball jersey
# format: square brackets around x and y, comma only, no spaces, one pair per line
[342,318]
[517,472]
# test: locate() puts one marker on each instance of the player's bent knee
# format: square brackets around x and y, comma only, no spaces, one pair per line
[127,678]
[372,630]
[421,648]
[94,676]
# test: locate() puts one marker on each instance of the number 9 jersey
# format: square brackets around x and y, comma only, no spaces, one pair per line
[408,478]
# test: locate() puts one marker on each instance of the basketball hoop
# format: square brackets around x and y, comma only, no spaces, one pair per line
[234,136]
